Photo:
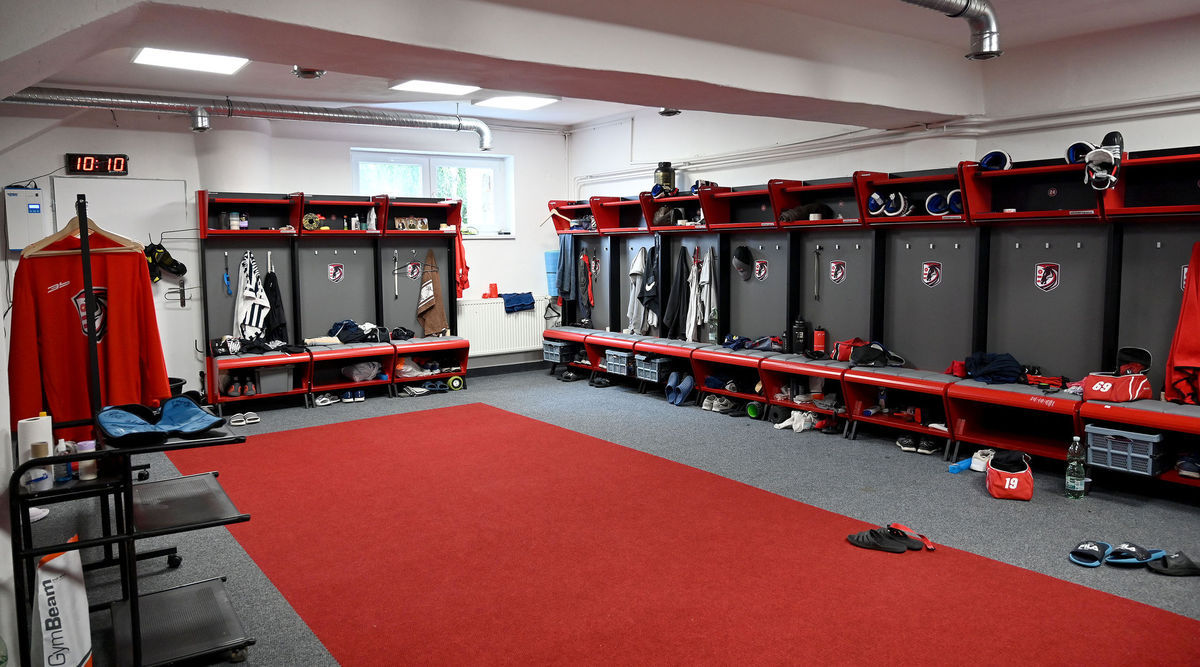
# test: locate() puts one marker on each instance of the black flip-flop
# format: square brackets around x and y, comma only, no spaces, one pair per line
[1175,565]
[1090,553]
[601,382]
[879,539]
[1128,553]
[570,376]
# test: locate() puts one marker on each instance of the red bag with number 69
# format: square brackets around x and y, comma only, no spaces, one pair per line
[1115,388]
[1006,484]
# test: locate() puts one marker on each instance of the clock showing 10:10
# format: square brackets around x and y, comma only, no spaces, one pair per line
[98,164]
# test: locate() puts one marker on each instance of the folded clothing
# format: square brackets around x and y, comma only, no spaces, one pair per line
[136,425]
[517,301]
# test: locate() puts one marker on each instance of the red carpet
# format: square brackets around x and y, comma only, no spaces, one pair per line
[472,535]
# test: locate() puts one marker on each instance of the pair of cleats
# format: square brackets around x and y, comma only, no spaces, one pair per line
[1091,553]
[924,445]
[159,260]
[244,418]
[241,389]
[892,538]
[679,387]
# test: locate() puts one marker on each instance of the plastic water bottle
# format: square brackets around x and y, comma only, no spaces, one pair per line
[1076,474]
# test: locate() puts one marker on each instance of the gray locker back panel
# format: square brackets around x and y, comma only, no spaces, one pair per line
[597,249]
[402,311]
[929,324]
[669,260]
[1061,329]
[759,307]
[1152,267]
[220,303]
[842,308]
[326,302]
[623,250]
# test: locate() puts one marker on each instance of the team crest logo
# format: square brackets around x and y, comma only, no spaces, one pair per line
[337,272]
[414,270]
[931,274]
[760,269]
[101,315]
[837,271]
[1183,278]
[1046,276]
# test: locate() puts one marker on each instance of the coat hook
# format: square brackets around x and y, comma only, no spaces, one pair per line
[356,252]
[335,252]
[931,246]
[1157,244]
[956,246]
[760,246]
[1017,246]
[777,246]
[1047,246]
[1078,245]
[837,246]
[818,247]
[315,252]
[856,246]
[907,246]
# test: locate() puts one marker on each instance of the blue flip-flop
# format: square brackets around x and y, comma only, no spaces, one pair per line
[1090,553]
[684,389]
[1128,553]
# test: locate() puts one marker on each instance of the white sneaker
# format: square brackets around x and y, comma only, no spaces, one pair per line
[723,404]
[37,513]
[802,420]
[708,402]
[787,423]
[980,458]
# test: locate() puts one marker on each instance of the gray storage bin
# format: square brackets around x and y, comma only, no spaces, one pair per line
[275,379]
[618,362]
[558,351]
[650,369]
[1129,451]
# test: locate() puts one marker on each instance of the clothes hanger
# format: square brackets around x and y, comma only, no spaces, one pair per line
[36,249]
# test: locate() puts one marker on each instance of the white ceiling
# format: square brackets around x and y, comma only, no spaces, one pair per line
[358,79]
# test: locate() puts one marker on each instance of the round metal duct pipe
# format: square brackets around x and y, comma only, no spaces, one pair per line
[980,15]
[201,109]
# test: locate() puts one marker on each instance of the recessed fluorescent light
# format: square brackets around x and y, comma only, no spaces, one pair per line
[201,62]
[517,102]
[435,87]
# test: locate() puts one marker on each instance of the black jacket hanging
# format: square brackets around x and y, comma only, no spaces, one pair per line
[675,314]
[568,288]
[275,326]
[650,293]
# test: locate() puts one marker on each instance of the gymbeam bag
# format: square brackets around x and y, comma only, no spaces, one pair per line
[62,611]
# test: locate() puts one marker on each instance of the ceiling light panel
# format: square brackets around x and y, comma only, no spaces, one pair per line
[200,62]
[516,102]
[434,87]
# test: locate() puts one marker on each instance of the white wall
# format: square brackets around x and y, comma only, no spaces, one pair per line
[283,156]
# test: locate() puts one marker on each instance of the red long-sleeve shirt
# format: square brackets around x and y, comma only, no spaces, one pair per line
[48,348]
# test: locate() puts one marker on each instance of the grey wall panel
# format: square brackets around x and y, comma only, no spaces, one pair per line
[669,261]
[759,307]
[325,301]
[401,311]
[840,303]
[597,249]
[220,252]
[1151,289]
[928,314]
[1059,329]
[623,250]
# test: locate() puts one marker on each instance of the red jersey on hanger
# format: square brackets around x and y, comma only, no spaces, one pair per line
[48,348]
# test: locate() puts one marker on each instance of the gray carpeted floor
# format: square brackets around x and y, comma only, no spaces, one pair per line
[868,478]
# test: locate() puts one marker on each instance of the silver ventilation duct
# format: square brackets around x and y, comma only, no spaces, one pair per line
[980,15]
[201,109]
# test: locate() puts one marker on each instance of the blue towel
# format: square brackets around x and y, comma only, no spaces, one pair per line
[517,301]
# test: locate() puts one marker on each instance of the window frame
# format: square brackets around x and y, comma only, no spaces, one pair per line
[428,162]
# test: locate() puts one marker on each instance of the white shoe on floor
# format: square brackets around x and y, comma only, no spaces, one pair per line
[708,402]
[980,458]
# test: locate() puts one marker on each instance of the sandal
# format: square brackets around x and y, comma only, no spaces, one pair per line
[325,399]
[238,419]
[251,418]
[1090,553]
[1175,565]
[601,382]
[892,538]
[1128,553]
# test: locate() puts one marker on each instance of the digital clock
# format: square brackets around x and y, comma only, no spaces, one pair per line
[102,164]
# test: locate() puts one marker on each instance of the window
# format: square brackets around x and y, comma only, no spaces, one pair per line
[482,183]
